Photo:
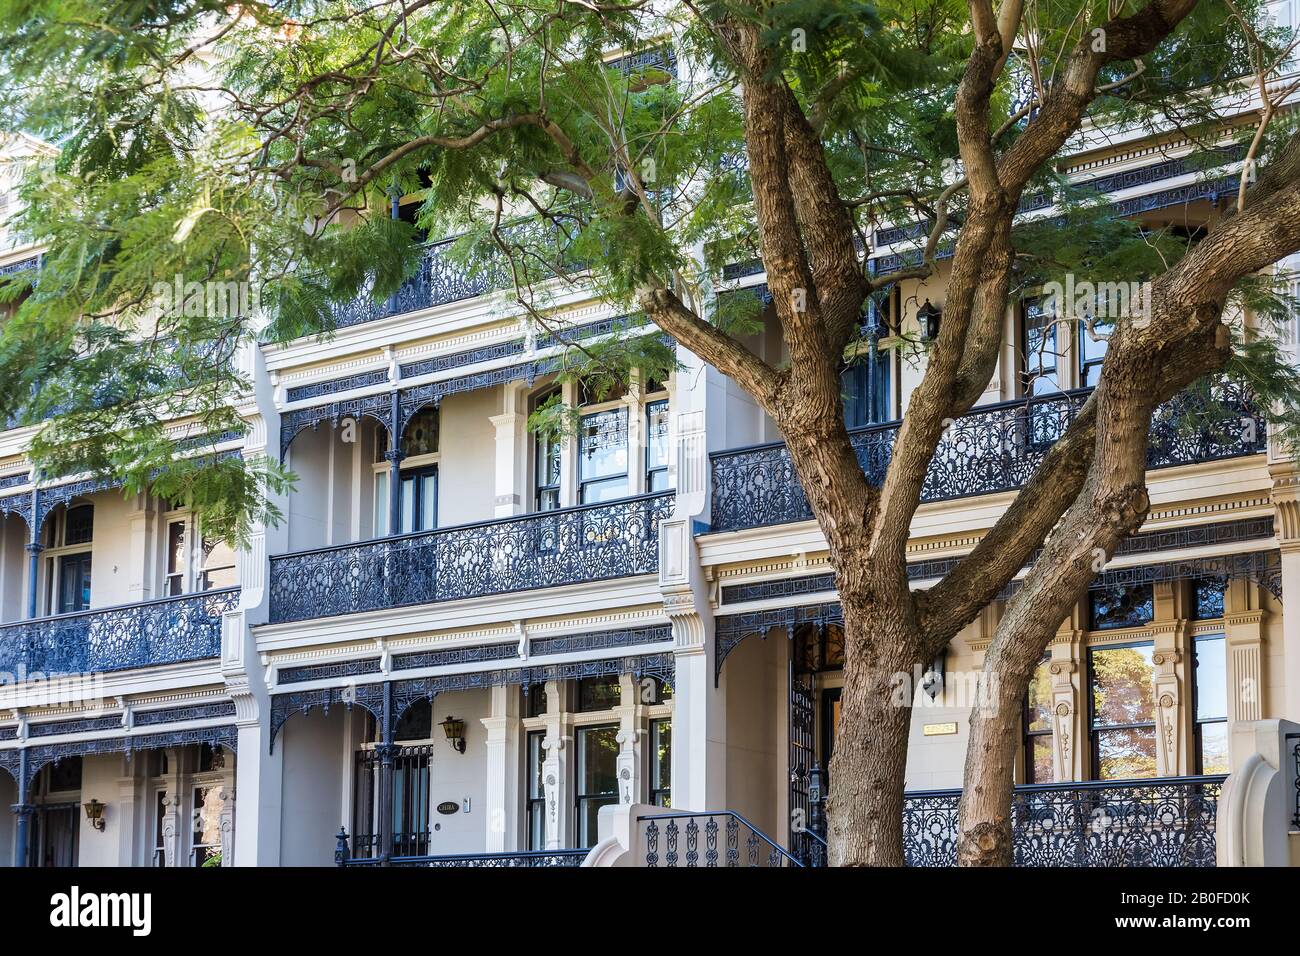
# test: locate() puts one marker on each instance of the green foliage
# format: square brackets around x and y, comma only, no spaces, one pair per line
[269,159]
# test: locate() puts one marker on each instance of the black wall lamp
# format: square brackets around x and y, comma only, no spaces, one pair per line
[454,728]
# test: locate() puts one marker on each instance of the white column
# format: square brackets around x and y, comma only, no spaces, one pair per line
[628,763]
[569,456]
[1286,501]
[512,454]
[143,565]
[503,761]
[1171,752]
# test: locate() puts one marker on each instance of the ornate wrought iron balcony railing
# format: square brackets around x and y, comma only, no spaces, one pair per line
[570,546]
[146,634]
[993,448]
[1168,821]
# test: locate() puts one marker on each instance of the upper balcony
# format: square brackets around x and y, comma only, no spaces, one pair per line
[92,582]
[580,545]
[994,448]
[145,634]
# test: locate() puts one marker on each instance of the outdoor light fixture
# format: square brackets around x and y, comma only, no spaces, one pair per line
[95,814]
[455,731]
[928,316]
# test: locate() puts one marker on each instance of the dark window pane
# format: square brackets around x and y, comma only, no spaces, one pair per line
[80,525]
[1121,606]
[598,693]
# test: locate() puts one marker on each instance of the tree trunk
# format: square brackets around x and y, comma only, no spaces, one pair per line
[867,772]
[985,838]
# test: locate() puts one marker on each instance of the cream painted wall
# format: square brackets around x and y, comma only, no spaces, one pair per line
[455,777]
[101,780]
[312,799]
[308,458]
[755,685]
[467,465]
[110,553]
[13,568]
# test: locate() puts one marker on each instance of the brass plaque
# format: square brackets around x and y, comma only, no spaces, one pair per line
[938,730]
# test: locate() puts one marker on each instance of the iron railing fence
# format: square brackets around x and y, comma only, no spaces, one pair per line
[709,839]
[121,637]
[1167,821]
[993,448]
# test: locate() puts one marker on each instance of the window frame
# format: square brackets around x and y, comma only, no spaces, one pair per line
[581,798]
[1198,723]
[1094,731]
[1029,737]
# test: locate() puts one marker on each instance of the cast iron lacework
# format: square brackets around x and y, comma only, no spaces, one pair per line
[166,631]
[14,481]
[1178,196]
[992,448]
[1120,606]
[1147,542]
[569,546]
[53,728]
[300,393]
[171,715]
[310,672]
[379,406]
[1207,598]
[42,754]
[541,647]
[408,692]
[1159,822]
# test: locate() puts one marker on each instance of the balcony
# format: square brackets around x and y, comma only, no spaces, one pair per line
[1168,821]
[570,546]
[993,448]
[150,633]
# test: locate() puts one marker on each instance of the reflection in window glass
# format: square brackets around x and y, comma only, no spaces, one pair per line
[421,435]
[597,776]
[536,793]
[1123,712]
[598,693]
[602,456]
[1040,349]
[661,745]
[206,836]
[656,452]
[1211,664]
[1038,726]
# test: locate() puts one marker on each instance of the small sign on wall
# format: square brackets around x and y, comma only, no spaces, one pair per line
[939,730]
[448,808]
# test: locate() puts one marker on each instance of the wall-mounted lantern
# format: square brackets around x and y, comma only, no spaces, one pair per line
[95,814]
[454,728]
[929,317]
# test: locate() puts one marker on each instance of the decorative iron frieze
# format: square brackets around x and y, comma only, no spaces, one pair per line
[42,754]
[301,393]
[407,692]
